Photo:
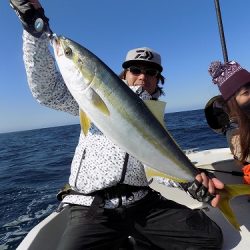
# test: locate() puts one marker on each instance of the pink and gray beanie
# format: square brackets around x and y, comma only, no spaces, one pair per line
[229,77]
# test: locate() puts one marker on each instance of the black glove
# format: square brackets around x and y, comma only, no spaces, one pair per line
[28,16]
[198,191]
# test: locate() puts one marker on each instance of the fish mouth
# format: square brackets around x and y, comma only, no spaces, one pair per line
[57,45]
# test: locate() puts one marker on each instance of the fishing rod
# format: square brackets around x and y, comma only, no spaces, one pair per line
[221,30]
[235,173]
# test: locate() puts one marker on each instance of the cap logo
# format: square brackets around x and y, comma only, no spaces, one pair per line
[144,54]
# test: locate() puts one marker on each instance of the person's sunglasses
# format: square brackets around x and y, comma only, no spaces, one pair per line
[137,71]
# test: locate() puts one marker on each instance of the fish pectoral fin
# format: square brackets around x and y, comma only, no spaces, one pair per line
[157,108]
[228,193]
[99,103]
[151,172]
[85,122]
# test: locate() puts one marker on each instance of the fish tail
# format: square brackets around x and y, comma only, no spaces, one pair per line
[229,192]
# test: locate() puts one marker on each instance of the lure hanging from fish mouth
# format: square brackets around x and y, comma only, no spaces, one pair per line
[40,26]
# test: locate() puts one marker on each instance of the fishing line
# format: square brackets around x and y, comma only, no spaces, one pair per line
[221,30]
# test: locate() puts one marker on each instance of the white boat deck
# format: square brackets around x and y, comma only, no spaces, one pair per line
[47,233]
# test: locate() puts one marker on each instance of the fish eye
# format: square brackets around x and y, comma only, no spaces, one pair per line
[68,51]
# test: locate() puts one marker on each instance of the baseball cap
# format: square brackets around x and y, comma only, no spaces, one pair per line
[143,54]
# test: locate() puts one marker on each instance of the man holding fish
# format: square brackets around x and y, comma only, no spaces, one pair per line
[109,195]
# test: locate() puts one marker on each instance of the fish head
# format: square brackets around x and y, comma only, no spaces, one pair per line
[79,70]
[72,62]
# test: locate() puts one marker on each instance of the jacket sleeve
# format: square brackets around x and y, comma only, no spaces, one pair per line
[45,81]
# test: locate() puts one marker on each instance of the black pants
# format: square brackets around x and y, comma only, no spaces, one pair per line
[154,222]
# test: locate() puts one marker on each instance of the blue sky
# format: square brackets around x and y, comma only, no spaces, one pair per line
[184,32]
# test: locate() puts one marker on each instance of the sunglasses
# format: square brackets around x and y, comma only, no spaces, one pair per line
[137,71]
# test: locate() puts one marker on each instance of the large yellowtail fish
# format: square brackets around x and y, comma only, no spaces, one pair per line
[121,115]
[118,112]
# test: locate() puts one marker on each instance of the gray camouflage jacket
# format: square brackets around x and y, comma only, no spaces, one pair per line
[97,163]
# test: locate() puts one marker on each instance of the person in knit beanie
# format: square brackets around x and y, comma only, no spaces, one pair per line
[233,82]
[230,77]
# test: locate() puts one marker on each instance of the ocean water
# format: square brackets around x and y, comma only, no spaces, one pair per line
[35,164]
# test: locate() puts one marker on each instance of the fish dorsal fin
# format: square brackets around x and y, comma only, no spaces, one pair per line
[157,108]
[99,103]
[84,121]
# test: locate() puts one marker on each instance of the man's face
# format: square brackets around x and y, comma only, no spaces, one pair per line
[142,74]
